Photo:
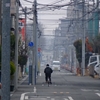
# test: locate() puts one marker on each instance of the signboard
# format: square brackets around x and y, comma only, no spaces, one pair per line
[39,49]
[39,54]
[31,44]
[22,27]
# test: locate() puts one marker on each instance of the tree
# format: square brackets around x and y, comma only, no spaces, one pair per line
[95,42]
[12,46]
[88,50]
[78,46]
[88,45]
[22,60]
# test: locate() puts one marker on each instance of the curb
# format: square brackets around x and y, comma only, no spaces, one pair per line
[23,79]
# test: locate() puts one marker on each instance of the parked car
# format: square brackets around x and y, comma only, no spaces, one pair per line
[94,61]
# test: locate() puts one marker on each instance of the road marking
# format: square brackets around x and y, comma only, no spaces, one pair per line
[48,97]
[61,92]
[65,99]
[96,90]
[32,98]
[54,92]
[26,97]
[42,84]
[40,74]
[67,92]
[70,98]
[23,95]
[34,89]
[86,90]
[98,94]
[52,99]
[89,90]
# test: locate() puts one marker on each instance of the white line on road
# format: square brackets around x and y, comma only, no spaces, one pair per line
[34,89]
[52,99]
[26,97]
[48,97]
[96,90]
[40,74]
[98,94]
[65,99]
[23,95]
[70,98]
[86,90]
[42,84]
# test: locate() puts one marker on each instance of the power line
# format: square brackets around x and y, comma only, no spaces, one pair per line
[54,6]
[54,2]
[84,15]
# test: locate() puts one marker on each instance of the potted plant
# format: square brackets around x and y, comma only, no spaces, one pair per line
[12,71]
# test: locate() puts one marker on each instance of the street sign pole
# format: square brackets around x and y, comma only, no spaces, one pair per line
[31,44]
[5,58]
[30,67]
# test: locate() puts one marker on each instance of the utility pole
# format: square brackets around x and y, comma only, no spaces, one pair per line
[25,26]
[39,51]
[0,20]
[16,43]
[35,38]
[5,58]
[83,39]
[94,15]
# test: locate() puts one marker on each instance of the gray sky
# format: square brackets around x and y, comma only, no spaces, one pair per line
[49,18]
[24,3]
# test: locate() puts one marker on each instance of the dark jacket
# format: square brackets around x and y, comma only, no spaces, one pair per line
[48,70]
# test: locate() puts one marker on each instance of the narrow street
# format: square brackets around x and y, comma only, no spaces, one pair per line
[61,34]
[65,86]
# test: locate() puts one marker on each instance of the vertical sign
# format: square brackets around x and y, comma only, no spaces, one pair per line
[22,28]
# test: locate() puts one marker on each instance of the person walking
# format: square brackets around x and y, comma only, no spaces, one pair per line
[48,72]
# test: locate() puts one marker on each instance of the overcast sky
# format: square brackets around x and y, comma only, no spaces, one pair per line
[50,21]
[26,3]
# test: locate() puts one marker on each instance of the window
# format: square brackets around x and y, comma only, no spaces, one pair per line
[93,59]
[56,63]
